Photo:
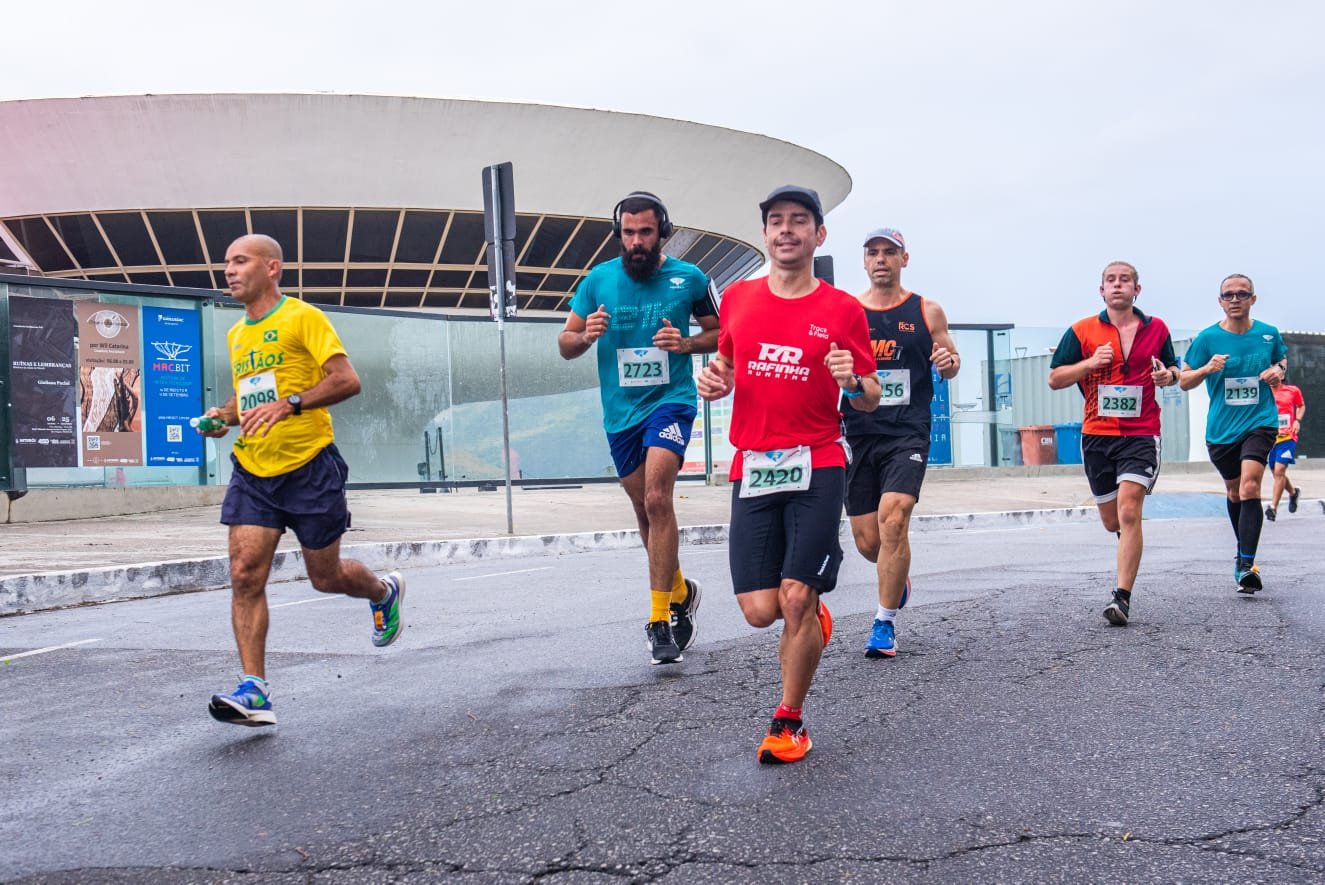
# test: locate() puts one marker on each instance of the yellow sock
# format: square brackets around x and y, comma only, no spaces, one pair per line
[660,609]
[679,589]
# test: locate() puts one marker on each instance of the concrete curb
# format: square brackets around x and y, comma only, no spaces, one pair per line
[51,590]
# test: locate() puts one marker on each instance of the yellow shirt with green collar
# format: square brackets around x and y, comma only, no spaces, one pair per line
[272,357]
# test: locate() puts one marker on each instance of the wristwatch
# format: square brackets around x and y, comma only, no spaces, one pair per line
[296,403]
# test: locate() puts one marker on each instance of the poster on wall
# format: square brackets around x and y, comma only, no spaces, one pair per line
[110,385]
[44,396]
[940,422]
[172,386]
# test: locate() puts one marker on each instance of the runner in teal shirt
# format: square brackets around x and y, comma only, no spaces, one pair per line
[635,377]
[1237,358]
[637,308]
[1240,400]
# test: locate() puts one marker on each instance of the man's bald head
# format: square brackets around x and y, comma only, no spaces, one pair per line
[262,245]
[253,269]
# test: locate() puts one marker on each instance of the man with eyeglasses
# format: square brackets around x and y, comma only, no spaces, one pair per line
[1117,358]
[1240,359]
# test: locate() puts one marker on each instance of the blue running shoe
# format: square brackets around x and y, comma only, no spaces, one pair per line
[246,705]
[387,622]
[883,640]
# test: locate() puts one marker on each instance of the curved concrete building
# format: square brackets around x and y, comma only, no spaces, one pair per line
[376,200]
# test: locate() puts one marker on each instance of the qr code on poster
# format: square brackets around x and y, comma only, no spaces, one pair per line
[174,433]
[94,443]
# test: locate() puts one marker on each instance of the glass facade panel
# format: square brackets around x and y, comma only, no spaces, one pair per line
[374,234]
[279,224]
[419,236]
[549,241]
[34,236]
[324,234]
[409,277]
[196,279]
[585,244]
[85,242]
[128,235]
[177,236]
[219,230]
[357,276]
[465,239]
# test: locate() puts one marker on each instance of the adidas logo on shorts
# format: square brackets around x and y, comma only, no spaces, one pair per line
[917,457]
[672,432]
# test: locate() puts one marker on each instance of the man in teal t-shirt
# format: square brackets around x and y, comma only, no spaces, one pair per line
[1238,358]
[638,309]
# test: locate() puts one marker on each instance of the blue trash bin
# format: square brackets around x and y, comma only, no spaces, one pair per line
[1069,443]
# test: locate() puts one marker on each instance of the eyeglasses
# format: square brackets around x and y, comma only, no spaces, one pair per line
[1239,294]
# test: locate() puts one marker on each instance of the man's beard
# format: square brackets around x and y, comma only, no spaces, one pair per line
[640,263]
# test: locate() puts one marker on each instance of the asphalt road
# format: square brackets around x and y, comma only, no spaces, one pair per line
[517,732]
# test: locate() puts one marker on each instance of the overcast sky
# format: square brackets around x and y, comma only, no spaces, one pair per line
[1019,146]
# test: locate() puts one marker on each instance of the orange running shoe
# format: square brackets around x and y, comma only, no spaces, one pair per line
[825,623]
[787,741]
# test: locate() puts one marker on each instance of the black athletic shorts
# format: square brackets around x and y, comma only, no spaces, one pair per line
[1109,460]
[788,535]
[308,499]
[884,464]
[1255,446]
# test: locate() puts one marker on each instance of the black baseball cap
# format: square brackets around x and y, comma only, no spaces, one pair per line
[794,193]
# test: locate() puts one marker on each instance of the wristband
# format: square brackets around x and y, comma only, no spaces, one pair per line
[859,391]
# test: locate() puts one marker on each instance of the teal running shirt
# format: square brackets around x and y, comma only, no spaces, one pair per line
[634,377]
[1239,401]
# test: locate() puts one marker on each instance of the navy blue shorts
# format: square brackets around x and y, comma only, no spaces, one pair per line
[310,500]
[667,428]
[1284,452]
[792,535]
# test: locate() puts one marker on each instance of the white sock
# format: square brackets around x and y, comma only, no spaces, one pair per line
[885,614]
[258,680]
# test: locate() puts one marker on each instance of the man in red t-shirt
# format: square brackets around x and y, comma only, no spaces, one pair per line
[789,346]
[1118,358]
[1288,400]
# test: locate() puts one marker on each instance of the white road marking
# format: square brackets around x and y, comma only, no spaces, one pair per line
[503,574]
[322,598]
[42,651]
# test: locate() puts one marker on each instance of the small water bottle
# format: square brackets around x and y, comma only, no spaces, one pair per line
[207,424]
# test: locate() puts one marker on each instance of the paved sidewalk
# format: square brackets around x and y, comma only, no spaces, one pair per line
[126,553]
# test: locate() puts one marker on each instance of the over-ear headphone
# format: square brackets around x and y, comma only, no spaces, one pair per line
[664,223]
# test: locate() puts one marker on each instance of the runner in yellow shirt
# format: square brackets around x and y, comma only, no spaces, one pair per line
[288,366]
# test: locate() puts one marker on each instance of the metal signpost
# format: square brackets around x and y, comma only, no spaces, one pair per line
[499,229]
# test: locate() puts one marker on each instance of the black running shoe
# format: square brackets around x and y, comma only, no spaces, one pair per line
[1116,612]
[1269,512]
[1292,500]
[662,644]
[684,628]
[1249,577]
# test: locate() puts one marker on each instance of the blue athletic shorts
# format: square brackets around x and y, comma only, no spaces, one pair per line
[310,500]
[788,535]
[1284,452]
[668,427]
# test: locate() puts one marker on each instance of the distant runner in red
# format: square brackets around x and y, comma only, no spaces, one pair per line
[789,346]
[1288,400]
[1118,358]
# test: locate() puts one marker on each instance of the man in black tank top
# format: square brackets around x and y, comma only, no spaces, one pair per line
[890,446]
